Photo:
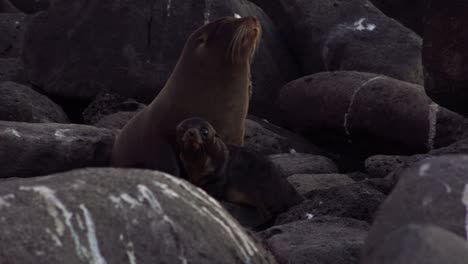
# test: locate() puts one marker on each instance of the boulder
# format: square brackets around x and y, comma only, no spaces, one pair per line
[137,59]
[41,149]
[445,55]
[305,183]
[300,163]
[431,192]
[375,113]
[329,35]
[419,244]
[22,104]
[12,27]
[358,201]
[118,216]
[379,166]
[317,241]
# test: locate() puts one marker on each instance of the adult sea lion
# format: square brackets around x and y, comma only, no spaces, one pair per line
[211,79]
[232,173]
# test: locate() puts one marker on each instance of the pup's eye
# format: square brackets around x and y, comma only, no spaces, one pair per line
[204,132]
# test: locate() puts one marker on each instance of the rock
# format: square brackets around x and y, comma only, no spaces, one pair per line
[41,149]
[7,7]
[357,175]
[299,163]
[445,54]
[12,27]
[22,104]
[419,244]
[377,114]
[11,69]
[350,36]
[379,166]
[317,241]
[115,121]
[31,6]
[118,216]
[433,192]
[305,183]
[358,200]
[106,104]
[136,60]
[409,13]
[267,138]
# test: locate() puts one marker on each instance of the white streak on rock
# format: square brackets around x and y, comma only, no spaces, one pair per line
[237,15]
[351,103]
[147,194]
[166,190]
[424,169]
[60,133]
[207,12]
[309,216]
[12,131]
[54,237]
[432,117]
[448,189]
[4,200]
[96,257]
[168,7]
[80,222]
[118,200]
[465,202]
[359,25]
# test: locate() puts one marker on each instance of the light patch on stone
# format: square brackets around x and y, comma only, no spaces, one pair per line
[12,131]
[309,216]
[96,257]
[237,15]
[60,133]
[424,169]
[147,194]
[427,200]
[39,253]
[54,237]
[207,12]
[448,189]
[4,200]
[80,222]
[17,23]
[351,103]
[168,7]
[118,200]
[131,253]
[432,118]
[292,151]
[166,190]
[464,200]
[359,25]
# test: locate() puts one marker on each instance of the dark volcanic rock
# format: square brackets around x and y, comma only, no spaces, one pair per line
[375,113]
[268,138]
[31,6]
[299,163]
[74,50]
[11,69]
[22,104]
[409,13]
[433,191]
[115,121]
[330,35]
[12,27]
[380,166]
[445,55]
[305,183]
[317,241]
[358,200]
[419,244]
[118,216]
[28,150]
[106,104]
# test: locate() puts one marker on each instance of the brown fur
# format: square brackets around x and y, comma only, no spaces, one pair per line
[210,79]
[233,173]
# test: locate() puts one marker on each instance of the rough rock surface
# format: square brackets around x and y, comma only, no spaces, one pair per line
[299,163]
[329,35]
[305,183]
[118,216]
[358,200]
[379,166]
[143,52]
[12,27]
[334,240]
[433,191]
[445,54]
[22,104]
[28,150]
[376,113]
[419,244]
[11,69]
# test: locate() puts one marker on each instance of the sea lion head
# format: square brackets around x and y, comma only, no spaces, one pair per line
[225,41]
[195,135]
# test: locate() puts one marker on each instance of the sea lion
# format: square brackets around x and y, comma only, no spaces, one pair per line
[210,79]
[232,173]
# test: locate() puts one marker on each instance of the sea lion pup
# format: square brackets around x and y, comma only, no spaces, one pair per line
[211,79]
[232,173]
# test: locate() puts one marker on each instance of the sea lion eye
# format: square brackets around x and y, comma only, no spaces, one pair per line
[204,132]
